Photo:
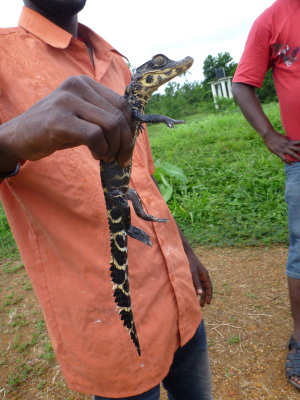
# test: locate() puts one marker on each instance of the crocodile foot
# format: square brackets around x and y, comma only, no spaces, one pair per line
[138,234]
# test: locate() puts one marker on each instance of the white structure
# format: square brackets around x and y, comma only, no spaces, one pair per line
[221,88]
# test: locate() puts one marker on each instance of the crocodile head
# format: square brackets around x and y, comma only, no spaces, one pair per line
[151,75]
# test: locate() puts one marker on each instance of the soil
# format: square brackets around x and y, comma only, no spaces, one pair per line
[248,326]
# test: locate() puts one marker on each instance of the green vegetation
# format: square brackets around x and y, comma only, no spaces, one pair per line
[232,191]
[234,340]
[8,248]
[234,194]
[12,269]
[222,60]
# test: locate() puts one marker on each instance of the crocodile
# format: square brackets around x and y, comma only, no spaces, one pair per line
[115,182]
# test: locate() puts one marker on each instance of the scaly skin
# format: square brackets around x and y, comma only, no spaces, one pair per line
[115,181]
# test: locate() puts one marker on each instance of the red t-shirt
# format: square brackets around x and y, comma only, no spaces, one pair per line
[274,42]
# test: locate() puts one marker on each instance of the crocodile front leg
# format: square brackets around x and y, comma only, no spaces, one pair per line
[155,119]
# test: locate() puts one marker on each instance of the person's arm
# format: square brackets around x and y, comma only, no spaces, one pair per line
[250,106]
[201,279]
[78,112]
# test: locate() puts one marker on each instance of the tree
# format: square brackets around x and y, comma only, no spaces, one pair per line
[223,60]
[267,92]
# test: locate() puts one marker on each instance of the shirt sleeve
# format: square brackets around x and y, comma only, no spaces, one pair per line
[255,60]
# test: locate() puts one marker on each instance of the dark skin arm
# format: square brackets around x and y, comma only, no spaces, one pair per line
[79,112]
[250,106]
[201,279]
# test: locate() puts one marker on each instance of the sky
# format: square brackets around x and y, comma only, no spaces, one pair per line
[141,29]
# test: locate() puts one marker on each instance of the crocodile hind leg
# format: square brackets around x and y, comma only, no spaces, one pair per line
[133,231]
[133,196]
[119,201]
[117,198]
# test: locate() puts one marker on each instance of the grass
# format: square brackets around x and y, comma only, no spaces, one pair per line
[235,189]
[8,249]
[234,340]
[26,349]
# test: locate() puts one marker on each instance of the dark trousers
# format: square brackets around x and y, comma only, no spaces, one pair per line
[189,377]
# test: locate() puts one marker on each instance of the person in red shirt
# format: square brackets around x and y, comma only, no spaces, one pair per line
[61,110]
[273,42]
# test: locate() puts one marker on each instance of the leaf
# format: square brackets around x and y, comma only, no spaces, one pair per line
[157,173]
[171,170]
[167,192]
[164,180]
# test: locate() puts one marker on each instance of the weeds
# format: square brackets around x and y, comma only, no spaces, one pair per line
[234,193]
[20,375]
[48,353]
[12,269]
[234,340]
[8,249]
[11,300]
[170,178]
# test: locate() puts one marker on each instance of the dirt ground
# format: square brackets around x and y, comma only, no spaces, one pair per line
[248,325]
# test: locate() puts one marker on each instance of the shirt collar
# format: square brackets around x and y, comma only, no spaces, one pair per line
[55,36]
[44,29]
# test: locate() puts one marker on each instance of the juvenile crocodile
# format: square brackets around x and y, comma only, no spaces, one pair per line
[115,181]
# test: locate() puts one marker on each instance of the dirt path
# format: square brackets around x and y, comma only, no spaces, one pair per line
[248,326]
[249,323]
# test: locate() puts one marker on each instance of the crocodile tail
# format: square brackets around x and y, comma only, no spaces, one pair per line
[118,213]
[127,318]
[120,284]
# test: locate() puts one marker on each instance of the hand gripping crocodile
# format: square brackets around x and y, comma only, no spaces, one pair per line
[115,181]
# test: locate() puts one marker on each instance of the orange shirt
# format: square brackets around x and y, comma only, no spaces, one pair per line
[56,210]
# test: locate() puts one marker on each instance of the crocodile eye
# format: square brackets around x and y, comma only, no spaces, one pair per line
[159,60]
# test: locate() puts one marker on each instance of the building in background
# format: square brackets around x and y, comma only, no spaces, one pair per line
[221,88]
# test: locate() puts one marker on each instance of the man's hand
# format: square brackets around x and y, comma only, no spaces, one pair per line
[278,144]
[79,112]
[282,146]
[201,279]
